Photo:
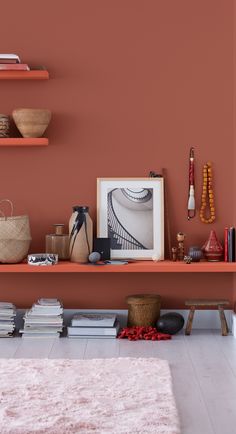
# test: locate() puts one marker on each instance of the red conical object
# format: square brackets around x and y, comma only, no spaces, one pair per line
[212,248]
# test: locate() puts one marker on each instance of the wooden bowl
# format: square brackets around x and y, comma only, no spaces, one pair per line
[31,122]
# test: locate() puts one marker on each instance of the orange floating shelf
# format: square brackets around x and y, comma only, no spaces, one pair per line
[24,141]
[39,74]
[135,267]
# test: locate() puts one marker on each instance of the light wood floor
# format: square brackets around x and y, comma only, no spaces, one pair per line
[203,367]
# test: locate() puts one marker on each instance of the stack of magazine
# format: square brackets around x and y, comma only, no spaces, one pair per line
[7,316]
[44,319]
[92,325]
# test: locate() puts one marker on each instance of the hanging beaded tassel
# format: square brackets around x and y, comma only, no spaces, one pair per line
[207,193]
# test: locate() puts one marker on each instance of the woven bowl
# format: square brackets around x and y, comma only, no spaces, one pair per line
[31,122]
[4,126]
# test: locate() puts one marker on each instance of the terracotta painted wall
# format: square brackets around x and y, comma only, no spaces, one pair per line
[133,84]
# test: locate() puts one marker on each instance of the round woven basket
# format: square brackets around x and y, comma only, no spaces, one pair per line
[15,235]
[144,310]
[4,126]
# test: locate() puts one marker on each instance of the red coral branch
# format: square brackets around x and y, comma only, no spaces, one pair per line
[146,333]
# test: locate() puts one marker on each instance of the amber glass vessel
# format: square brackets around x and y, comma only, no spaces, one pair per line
[58,243]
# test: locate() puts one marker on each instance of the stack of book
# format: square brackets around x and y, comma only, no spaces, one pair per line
[7,316]
[12,62]
[44,319]
[229,244]
[90,325]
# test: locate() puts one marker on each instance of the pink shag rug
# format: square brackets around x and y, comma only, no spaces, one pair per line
[99,396]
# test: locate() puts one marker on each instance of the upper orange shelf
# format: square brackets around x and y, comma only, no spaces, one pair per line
[39,74]
[24,141]
[135,267]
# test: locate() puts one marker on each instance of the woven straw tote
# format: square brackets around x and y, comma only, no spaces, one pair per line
[15,236]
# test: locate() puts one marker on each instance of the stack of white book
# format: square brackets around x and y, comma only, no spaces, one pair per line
[7,323]
[44,319]
[91,325]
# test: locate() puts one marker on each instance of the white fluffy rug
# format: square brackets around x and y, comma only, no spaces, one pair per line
[103,396]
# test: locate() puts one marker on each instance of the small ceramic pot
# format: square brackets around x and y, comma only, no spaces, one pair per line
[212,248]
[195,253]
[31,122]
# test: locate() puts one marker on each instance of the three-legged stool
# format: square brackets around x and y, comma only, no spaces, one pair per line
[194,304]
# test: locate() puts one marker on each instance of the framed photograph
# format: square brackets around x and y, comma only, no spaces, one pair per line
[130,211]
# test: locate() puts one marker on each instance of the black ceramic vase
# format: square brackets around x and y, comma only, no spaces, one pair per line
[170,323]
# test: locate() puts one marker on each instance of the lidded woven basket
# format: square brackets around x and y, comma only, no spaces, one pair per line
[144,310]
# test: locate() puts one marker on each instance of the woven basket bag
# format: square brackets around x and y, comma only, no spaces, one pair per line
[15,236]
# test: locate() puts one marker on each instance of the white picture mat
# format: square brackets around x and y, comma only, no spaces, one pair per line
[104,185]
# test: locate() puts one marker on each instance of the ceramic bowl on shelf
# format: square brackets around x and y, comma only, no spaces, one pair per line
[31,122]
[4,126]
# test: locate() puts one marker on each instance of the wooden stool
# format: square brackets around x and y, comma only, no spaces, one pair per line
[220,305]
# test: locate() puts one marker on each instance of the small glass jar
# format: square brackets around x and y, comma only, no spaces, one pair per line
[58,243]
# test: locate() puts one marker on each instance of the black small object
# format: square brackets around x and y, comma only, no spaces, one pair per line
[231,244]
[102,246]
[170,323]
[153,174]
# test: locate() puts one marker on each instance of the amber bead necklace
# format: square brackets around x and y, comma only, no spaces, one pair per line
[207,191]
